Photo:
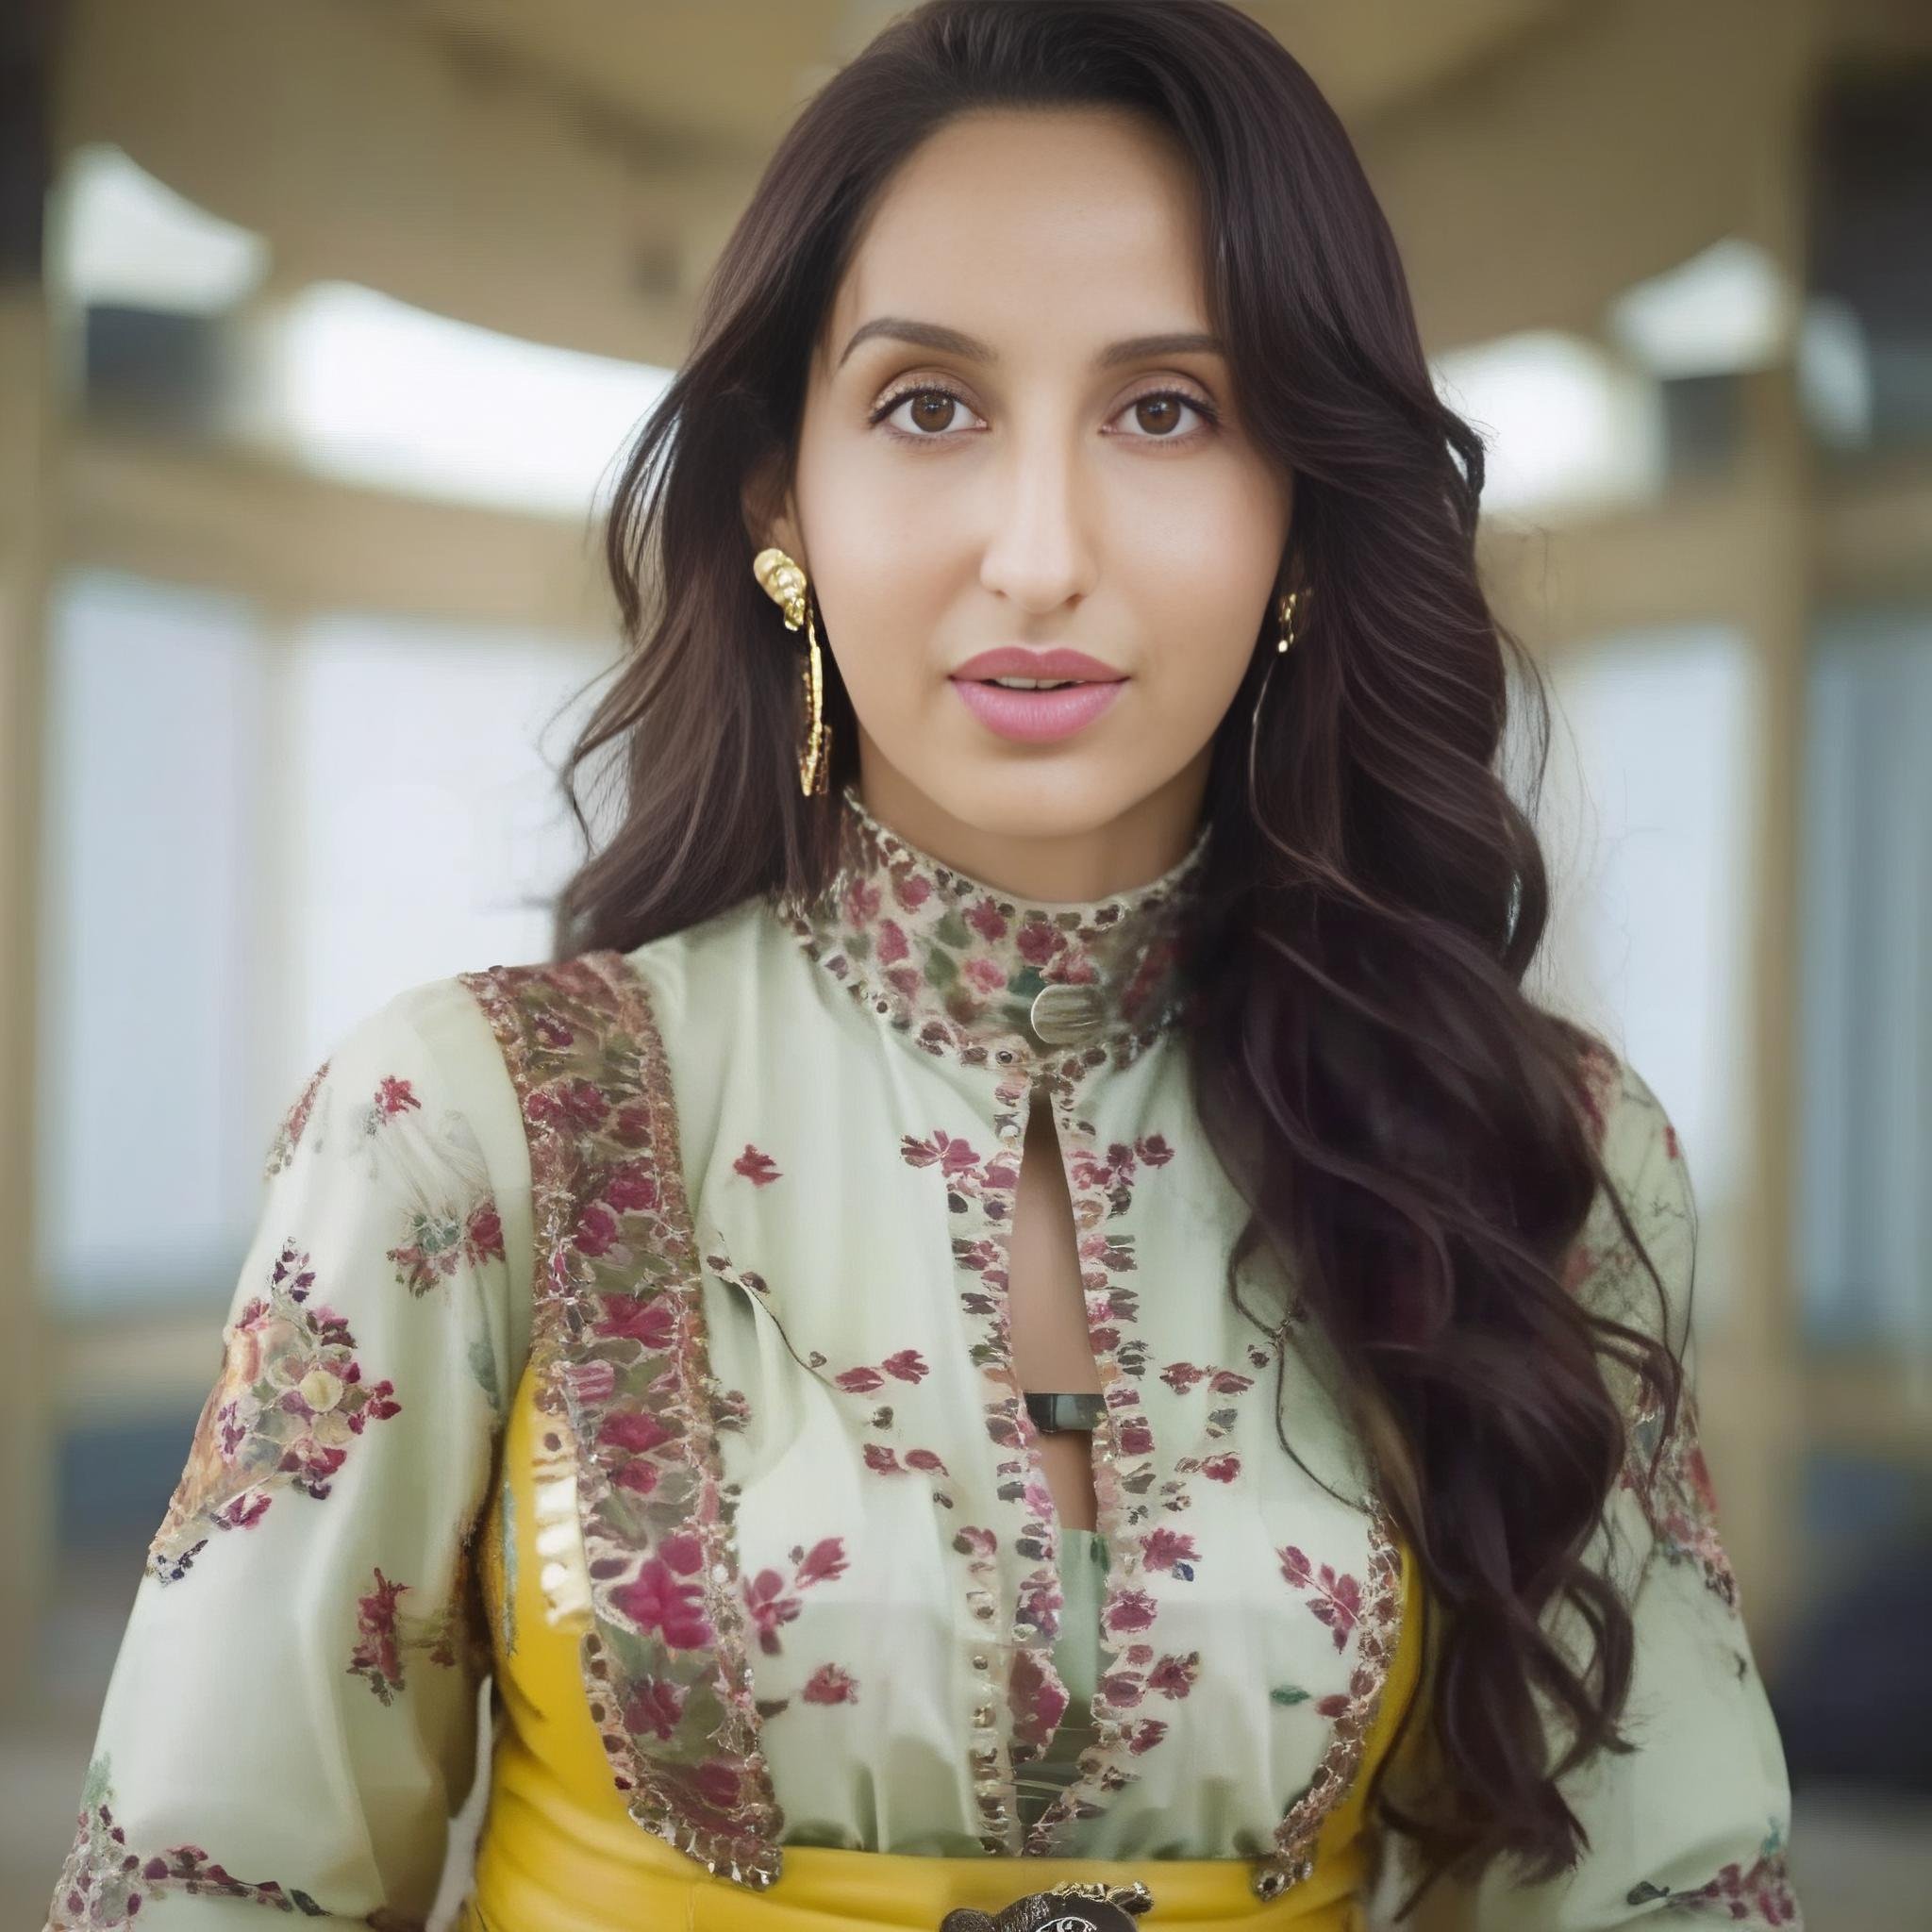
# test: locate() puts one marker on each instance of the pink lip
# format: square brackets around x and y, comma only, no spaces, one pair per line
[1034,716]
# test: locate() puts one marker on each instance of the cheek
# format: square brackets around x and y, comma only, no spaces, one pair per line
[1200,591]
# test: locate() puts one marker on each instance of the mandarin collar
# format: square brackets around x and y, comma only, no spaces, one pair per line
[966,969]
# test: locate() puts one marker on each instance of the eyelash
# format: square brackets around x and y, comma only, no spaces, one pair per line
[1205,410]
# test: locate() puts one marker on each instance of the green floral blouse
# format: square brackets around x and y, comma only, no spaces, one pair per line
[745,1195]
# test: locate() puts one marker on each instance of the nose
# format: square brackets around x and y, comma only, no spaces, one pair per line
[1039,549]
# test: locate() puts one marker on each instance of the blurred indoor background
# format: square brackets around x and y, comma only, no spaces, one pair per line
[321,322]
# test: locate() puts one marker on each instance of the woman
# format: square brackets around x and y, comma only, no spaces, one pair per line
[1027,1284]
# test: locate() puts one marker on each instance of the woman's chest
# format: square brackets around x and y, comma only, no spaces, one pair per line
[876,1251]
[824,1567]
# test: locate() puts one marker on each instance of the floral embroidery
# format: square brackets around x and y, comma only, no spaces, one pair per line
[828,1683]
[759,1169]
[1669,1478]
[618,1343]
[441,1243]
[770,1603]
[105,1883]
[287,1136]
[385,1635]
[956,964]
[1759,1895]
[1337,1599]
[286,1410]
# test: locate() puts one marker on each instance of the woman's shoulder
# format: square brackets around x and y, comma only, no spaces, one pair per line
[1643,1158]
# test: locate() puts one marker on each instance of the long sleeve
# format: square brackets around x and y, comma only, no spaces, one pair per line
[1693,1823]
[292,1714]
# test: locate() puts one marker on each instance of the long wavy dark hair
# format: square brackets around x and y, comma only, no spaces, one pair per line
[1414,1135]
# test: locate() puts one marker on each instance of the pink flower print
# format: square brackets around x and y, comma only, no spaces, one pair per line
[911,891]
[985,916]
[651,1320]
[632,1126]
[759,1169]
[631,1189]
[828,1683]
[927,1460]
[859,1381]
[1144,1735]
[1173,1676]
[825,1562]
[720,1786]
[1222,1468]
[1339,1598]
[984,977]
[892,945]
[596,1230]
[632,1436]
[1153,1149]
[952,1156]
[633,1431]
[290,1402]
[1136,1438]
[862,903]
[576,1106]
[554,1030]
[1230,1382]
[657,1599]
[1131,1609]
[394,1095]
[906,1365]
[1181,1376]
[770,1606]
[1039,941]
[886,1461]
[1168,1549]
[483,1233]
[1038,1702]
[971,1541]
[655,1709]
[1671,1147]
[1122,1688]
[379,1656]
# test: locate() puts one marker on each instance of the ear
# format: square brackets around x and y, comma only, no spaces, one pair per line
[765,503]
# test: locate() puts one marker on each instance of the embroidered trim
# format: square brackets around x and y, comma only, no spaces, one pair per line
[617,1336]
[958,965]
[1380,1625]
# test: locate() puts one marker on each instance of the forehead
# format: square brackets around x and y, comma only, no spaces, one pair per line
[1028,225]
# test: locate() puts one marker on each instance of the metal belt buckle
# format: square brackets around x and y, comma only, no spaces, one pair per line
[1081,1905]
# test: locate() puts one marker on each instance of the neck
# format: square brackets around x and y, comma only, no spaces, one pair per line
[1077,868]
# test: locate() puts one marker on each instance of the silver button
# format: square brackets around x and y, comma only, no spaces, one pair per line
[1067,1015]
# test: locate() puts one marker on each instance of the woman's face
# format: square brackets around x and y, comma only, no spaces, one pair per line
[1026,475]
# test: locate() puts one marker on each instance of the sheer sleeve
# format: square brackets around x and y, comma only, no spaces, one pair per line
[292,1714]
[1693,1823]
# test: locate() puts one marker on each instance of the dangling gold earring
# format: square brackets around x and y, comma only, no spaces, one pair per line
[1281,645]
[785,585]
[1287,637]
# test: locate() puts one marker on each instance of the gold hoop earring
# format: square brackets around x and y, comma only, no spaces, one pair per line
[784,582]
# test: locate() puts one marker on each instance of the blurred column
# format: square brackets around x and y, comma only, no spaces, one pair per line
[26,498]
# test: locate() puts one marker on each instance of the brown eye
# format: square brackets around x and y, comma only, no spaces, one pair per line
[933,409]
[1157,414]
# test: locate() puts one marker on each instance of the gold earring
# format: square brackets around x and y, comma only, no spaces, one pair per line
[784,582]
[1287,637]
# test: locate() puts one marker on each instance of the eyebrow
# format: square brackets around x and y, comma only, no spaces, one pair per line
[953,341]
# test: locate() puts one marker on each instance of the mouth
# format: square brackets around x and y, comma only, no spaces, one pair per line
[1036,711]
